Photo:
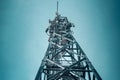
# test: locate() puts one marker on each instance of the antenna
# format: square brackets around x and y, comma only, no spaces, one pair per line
[57,8]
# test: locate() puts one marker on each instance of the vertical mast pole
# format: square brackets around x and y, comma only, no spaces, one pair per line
[57,8]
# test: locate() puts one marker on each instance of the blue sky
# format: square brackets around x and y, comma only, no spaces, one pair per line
[23,41]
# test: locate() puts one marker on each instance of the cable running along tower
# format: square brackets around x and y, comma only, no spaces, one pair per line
[64,58]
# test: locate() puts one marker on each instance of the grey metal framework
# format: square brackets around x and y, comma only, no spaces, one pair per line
[64,58]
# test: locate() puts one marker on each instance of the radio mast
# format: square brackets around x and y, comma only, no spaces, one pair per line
[64,58]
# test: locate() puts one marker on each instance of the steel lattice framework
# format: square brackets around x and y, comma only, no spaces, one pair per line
[64,58]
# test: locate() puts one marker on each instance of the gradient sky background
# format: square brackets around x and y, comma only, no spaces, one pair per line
[23,41]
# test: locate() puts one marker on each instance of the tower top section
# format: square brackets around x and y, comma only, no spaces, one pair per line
[60,25]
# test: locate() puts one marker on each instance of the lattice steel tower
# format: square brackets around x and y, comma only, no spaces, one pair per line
[64,58]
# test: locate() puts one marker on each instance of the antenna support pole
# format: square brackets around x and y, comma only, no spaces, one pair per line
[57,7]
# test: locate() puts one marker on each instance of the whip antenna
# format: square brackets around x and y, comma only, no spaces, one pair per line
[57,7]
